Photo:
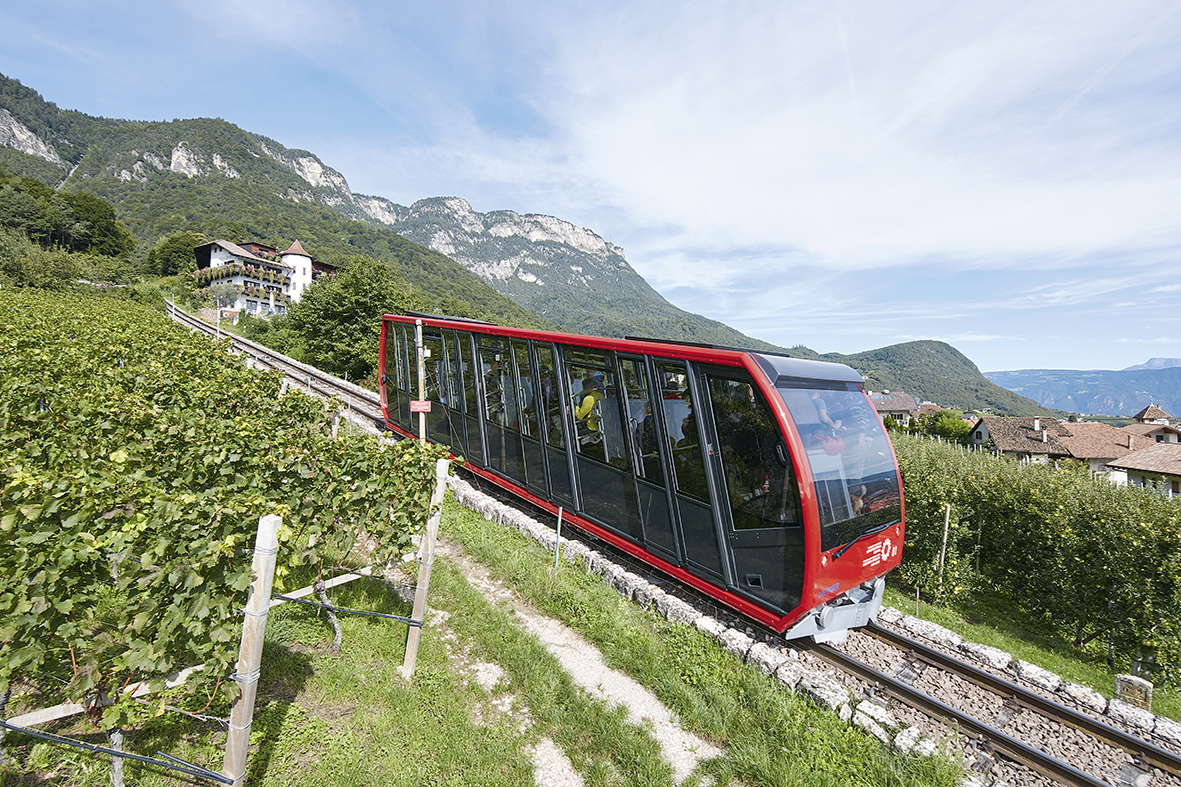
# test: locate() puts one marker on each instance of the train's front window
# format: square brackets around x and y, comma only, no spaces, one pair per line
[853,468]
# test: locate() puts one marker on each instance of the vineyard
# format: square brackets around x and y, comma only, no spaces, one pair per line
[137,459]
[1099,564]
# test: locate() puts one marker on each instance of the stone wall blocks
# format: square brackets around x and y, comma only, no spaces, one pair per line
[736,643]
[889,616]
[880,715]
[789,673]
[987,655]
[710,626]
[1130,715]
[1034,674]
[823,690]
[866,723]
[931,631]
[1084,696]
[765,658]
[1167,729]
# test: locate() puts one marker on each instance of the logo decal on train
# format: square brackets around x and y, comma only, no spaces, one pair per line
[880,552]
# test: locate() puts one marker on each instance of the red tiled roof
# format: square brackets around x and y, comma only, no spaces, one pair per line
[297,248]
[1163,458]
[896,402]
[1018,435]
[1149,428]
[1102,441]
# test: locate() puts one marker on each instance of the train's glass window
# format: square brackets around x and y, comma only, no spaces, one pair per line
[438,386]
[394,353]
[852,464]
[471,391]
[499,402]
[549,404]
[454,384]
[680,424]
[434,361]
[595,407]
[641,420]
[525,394]
[587,358]
[760,480]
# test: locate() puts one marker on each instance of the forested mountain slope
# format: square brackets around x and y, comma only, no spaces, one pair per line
[211,177]
[937,372]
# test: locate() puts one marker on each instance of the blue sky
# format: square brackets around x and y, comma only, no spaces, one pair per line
[1003,176]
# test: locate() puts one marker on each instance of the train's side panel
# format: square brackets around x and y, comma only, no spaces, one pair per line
[683,456]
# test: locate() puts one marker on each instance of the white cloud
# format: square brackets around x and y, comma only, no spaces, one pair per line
[748,129]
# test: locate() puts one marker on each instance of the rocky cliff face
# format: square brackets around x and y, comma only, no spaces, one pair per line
[16,135]
[538,261]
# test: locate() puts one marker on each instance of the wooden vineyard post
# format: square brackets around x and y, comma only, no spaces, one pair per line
[258,601]
[426,556]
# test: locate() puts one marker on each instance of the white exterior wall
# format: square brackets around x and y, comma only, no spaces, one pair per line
[254,306]
[301,279]
[1098,465]
[1162,483]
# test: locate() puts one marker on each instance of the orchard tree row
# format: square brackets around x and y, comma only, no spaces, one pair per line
[1099,563]
[137,459]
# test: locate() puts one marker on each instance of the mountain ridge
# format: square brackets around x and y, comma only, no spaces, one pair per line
[1097,391]
[213,177]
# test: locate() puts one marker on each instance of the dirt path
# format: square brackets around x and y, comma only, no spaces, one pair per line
[584,662]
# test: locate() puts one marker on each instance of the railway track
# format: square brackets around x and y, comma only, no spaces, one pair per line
[353,399]
[1018,696]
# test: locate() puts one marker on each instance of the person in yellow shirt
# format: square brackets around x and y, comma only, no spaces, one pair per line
[584,411]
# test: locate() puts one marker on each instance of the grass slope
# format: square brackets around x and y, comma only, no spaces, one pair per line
[936,371]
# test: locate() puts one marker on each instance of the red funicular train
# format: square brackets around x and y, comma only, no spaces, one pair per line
[765,481]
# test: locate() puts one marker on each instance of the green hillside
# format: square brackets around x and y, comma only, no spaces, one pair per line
[937,372]
[250,197]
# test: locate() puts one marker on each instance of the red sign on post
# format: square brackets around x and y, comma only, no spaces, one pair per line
[420,405]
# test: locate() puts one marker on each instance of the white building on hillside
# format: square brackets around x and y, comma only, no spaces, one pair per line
[267,280]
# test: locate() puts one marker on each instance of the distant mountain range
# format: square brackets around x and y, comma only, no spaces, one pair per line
[1155,363]
[1100,392]
[212,177]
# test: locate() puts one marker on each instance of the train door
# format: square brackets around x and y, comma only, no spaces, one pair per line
[758,491]
[443,419]
[607,492]
[692,494]
[503,444]
[468,394]
[527,421]
[396,378]
[553,425]
[644,428]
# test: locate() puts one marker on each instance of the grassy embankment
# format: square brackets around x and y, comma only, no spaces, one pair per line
[352,720]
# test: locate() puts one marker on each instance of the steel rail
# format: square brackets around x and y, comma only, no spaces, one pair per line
[1002,742]
[303,374]
[1153,754]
